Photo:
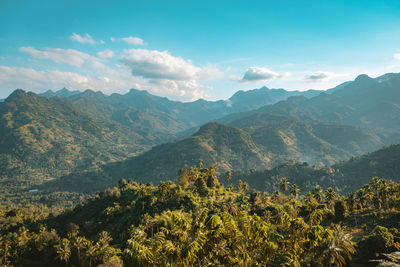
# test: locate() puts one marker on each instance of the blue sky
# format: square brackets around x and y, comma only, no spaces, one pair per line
[190,49]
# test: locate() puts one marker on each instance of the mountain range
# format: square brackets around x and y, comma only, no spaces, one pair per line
[84,141]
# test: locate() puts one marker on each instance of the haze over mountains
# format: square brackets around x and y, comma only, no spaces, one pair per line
[86,141]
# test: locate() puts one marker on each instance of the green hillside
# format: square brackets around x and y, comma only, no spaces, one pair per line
[366,102]
[199,222]
[264,142]
[345,176]
[42,139]
[227,146]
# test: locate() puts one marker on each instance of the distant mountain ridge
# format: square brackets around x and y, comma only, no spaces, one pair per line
[243,133]
[50,135]
[161,119]
[367,102]
[63,93]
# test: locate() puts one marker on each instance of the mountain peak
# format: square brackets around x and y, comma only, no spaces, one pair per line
[362,77]
[17,94]
[137,91]
[91,92]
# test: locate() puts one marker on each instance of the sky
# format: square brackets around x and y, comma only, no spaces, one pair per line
[186,50]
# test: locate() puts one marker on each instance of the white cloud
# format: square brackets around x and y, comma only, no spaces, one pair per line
[153,64]
[257,74]
[318,76]
[132,40]
[86,39]
[58,55]
[168,75]
[155,71]
[106,53]
[181,90]
[110,81]
[396,56]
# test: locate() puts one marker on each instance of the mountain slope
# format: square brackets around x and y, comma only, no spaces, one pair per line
[345,176]
[160,119]
[366,102]
[252,99]
[42,139]
[384,163]
[315,143]
[262,142]
[213,143]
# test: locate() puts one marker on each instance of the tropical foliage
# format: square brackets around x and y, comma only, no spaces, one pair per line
[198,221]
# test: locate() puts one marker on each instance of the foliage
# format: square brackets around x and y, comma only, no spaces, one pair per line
[200,222]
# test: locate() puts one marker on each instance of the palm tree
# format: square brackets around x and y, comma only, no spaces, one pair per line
[361,197]
[79,244]
[318,193]
[295,191]
[64,250]
[330,196]
[284,184]
[338,247]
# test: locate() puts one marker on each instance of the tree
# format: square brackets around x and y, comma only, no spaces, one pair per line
[284,184]
[295,191]
[212,179]
[330,196]
[122,183]
[318,193]
[183,177]
[338,246]
[64,250]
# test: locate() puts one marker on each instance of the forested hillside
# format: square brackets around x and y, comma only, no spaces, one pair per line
[42,139]
[198,221]
[82,142]
[368,102]
[344,177]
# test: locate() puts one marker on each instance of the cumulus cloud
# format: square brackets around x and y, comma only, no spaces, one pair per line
[155,71]
[153,64]
[85,39]
[175,76]
[58,55]
[257,74]
[106,53]
[129,40]
[318,76]
[396,56]
[133,40]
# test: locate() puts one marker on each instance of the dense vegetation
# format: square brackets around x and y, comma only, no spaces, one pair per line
[43,139]
[344,177]
[198,221]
